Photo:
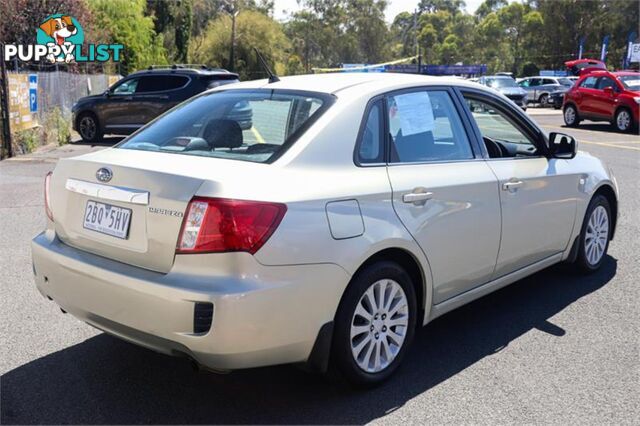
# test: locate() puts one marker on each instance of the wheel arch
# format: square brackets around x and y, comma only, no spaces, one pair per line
[609,193]
[84,112]
[411,265]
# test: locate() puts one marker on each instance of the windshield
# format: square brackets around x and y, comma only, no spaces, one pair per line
[565,82]
[501,82]
[630,82]
[251,125]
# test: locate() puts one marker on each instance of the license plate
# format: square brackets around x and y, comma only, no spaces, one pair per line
[107,219]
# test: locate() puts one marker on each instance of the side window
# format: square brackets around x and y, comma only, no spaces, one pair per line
[127,87]
[425,126]
[548,81]
[371,147]
[589,83]
[525,83]
[157,83]
[605,82]
[501,136]
[534,82]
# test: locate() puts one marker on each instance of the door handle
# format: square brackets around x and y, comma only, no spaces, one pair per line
[512,185]
[417,198]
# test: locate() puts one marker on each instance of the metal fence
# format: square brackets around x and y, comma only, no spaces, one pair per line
[62,89]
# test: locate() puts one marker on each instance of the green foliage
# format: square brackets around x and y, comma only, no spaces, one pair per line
[27,140]
[253,29]
[57,127]
[129,26]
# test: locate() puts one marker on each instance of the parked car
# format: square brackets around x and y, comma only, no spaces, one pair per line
[539,88]
[604,96]
[508,87]
[142,96]
[556,98]
[373,204]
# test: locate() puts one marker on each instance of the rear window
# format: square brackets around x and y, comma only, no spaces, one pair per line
[630,82]
[250,125]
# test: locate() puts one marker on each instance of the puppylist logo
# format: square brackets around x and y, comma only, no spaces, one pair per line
[60,38]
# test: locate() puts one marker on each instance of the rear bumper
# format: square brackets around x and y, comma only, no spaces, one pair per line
[262,315]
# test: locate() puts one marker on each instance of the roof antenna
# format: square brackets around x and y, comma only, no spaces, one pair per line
[272,77]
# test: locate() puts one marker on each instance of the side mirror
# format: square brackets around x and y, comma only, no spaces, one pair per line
[609,90]
[106,93]
[562,146]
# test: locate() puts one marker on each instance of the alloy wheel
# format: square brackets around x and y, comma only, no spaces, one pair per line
[87,127]
[379,325]
[597,235]
[623,120]
[569,115]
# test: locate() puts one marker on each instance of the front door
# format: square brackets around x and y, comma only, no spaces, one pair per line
[116,112]
[443,192]
[538,195]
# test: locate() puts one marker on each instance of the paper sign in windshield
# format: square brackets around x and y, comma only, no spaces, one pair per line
[415,113]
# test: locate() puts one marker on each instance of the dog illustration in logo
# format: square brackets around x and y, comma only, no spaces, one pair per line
[59,29]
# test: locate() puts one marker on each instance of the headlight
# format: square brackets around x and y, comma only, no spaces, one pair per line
[637,99]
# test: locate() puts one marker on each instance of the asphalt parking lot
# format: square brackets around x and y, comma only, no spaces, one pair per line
[552,348]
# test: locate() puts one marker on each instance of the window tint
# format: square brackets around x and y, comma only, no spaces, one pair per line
[251,125]
[501,136]
[425,126]
[127,87]
[606,82]
[157,83]
[548,81]
[589,83]
[371,148]
[535,82]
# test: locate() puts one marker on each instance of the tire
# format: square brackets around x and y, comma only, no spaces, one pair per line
[543,100]
[594,236]
[623,121]
[89,128]
[571,117]
[365,333]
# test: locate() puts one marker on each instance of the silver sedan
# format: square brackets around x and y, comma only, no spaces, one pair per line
[356,208]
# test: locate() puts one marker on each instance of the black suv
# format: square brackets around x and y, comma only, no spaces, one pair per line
[142,96]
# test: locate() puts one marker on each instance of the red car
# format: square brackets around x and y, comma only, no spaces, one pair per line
[604,96]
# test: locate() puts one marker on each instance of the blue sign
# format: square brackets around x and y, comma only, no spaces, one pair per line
[362,68]
[33,92]
[454,69]
[553,73]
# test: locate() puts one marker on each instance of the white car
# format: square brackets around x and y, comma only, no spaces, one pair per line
[357,207]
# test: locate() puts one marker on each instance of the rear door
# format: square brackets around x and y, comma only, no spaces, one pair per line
[443,191]
[538,195]
[152,96]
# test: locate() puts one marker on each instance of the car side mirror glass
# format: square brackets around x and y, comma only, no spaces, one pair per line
[562,146]
[609,90]
[106,93]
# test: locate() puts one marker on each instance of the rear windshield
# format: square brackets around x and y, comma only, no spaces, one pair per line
[501,82]
[251,125]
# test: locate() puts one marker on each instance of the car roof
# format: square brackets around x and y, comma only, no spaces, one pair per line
[332,83]
[169,69]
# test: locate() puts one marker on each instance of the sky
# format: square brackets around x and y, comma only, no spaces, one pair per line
[395,7]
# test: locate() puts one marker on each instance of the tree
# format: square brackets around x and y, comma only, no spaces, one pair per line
[254,29]
[129,26]
[518,21]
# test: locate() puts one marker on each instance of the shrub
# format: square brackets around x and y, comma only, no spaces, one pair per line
[57,127]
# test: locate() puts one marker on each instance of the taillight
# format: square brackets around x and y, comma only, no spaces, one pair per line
[223,225]
[47,197]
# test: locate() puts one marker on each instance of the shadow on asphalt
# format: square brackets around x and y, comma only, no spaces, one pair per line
[104,380]
[604,127]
